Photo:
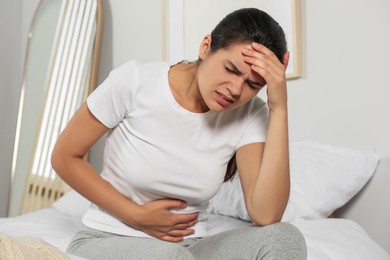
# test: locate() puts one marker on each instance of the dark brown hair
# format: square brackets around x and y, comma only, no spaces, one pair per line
[249,25]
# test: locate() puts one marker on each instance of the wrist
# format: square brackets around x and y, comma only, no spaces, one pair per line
[281,111]
[133,215]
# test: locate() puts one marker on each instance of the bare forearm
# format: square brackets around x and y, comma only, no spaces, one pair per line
[272,185]
[84,179]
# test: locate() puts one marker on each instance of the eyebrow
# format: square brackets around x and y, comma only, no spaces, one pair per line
[238,72]
[235,69]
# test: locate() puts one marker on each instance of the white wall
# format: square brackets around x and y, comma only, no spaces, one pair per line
[343,97]
[10,62]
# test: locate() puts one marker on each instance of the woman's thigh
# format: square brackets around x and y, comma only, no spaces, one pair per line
[94,244]
[278,241]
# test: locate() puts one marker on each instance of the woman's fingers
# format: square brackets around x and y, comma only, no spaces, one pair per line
[257,58]
[264,62]
[259,48]
[261,66]
[180,233]
[172,239]
[170,203]
[185,218]
[182,226]
[176,234]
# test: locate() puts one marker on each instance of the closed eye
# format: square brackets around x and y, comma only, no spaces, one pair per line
[255,85]
[251,84]
[230,70]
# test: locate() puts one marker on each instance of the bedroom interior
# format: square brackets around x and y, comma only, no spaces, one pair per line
[338,112]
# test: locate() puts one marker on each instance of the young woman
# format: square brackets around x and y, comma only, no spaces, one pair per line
[174,134]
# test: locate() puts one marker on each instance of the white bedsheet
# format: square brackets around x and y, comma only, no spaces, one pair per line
[336,239]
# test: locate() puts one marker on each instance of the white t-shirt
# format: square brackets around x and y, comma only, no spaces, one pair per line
[157,149]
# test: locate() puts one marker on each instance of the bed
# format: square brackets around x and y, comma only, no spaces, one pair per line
[326,187]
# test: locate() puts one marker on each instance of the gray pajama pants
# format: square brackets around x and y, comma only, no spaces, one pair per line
[278,241]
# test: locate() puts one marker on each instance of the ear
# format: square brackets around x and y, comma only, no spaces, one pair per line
[205,46]
[286,59]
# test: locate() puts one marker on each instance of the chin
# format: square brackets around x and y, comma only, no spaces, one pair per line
[218,108]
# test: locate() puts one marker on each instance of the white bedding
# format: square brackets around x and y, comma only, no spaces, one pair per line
[323,178]
[337,239]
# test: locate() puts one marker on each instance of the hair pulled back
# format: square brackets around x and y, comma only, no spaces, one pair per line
[249,25]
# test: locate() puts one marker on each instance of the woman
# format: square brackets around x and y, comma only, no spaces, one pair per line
[174,134]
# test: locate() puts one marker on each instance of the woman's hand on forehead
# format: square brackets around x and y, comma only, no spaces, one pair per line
[264,62]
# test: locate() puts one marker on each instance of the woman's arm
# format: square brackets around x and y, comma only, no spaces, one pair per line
[68,161]
[264,167]
[264,174]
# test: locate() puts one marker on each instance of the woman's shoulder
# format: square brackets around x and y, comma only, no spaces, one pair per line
[134,69]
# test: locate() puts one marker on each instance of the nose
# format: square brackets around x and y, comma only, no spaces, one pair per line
[235,87]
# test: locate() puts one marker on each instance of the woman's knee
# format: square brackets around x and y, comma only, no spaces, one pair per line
[162,250]
[285,241]
[173,251]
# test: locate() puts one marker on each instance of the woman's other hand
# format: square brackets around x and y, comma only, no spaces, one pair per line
[157,220]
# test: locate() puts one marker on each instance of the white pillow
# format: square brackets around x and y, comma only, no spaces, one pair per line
[323,178]
[339,239]
[72,204]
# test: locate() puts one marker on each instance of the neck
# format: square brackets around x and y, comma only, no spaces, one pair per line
[184,87]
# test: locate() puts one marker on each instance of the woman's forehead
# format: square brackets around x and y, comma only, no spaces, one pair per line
[234,60]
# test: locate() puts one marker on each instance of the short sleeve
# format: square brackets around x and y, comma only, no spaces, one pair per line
[113,99]
[255,123]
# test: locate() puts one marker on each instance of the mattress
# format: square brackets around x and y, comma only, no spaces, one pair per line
[325,238]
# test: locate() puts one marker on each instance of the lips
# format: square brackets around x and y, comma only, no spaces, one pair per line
[223,100]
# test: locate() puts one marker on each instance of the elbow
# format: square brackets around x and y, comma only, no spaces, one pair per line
[267,214]
[266,220]
[55,159]
[63,159]
[58,159]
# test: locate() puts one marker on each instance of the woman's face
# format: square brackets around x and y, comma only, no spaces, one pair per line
[225,80]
